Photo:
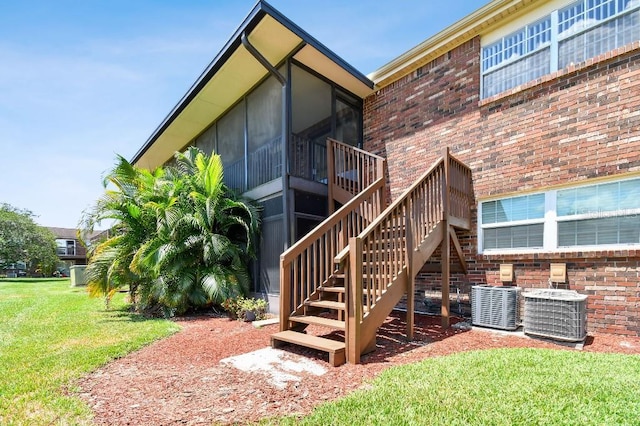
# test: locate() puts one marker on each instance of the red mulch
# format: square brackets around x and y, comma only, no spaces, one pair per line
[180,381]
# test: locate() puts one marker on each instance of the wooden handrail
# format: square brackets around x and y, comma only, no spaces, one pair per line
[351,207]
[394,204]
[351,169]
[308,264]
[356,149]
[386,248]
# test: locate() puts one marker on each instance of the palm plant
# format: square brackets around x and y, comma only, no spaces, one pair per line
[123,203]
[205,237]
[181,239]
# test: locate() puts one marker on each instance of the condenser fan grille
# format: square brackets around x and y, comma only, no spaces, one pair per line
[495,307]
[556,314]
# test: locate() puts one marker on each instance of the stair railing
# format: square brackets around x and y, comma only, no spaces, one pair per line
[350,170]
[382,253]
[309,263]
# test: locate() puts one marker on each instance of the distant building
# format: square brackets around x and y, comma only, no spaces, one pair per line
[70,250]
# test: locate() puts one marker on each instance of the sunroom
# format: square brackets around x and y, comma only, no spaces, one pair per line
[267,104]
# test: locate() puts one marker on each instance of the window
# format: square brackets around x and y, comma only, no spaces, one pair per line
[513,222]
[579,31]
[599,214]
[65,247]
[605,214]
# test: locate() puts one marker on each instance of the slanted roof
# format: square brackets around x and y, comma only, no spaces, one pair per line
[64,233]
[481,21]
[234,71]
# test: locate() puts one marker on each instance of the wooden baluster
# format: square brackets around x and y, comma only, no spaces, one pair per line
[331,172]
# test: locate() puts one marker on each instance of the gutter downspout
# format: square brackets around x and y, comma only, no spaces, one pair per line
[285,158]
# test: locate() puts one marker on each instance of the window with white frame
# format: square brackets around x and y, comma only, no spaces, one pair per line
[65,247]
[575,33]
[590,216]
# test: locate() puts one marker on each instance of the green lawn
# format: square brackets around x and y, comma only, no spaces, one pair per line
[495,387]
[51,334]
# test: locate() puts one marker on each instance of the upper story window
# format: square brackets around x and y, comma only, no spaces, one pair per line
[599,216]
[575,33]
[65,247]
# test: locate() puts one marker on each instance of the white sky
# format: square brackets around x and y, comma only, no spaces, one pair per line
[84,80]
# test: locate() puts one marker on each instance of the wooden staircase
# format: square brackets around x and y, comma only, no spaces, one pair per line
[352,270]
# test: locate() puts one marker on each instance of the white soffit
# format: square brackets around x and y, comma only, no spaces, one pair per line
[324,66]
[240,72]
[273,40]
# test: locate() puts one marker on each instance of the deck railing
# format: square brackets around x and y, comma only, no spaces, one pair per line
[309,263]
[351,169]
[234,175]
[308,159]
[265,163]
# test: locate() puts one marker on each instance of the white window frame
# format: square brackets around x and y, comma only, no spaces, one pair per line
[551,221]
[59,245]
[555,39]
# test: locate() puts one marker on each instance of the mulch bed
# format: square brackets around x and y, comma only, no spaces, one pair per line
[180,380]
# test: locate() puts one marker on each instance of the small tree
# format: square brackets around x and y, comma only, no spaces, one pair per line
[126,192]
[22,240]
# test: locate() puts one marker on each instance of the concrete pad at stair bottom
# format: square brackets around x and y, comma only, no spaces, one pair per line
[268,321]
[281,367]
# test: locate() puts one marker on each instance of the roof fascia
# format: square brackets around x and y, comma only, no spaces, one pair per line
[458,33]
[310,40]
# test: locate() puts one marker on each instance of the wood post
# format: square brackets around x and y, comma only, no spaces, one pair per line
[285,296]
[445,248]
[354,301]
[331,171]
[410,278]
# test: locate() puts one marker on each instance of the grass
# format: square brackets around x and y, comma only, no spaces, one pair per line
[51,334]
[495,387]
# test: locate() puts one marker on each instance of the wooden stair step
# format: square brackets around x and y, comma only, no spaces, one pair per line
[364,275]
[328,304]
[338,276]
[314,320]
[332,289]
[335,349]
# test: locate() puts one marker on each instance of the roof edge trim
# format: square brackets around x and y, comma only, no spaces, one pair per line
[461,31]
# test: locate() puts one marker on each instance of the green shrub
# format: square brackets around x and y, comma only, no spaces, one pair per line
[246,309]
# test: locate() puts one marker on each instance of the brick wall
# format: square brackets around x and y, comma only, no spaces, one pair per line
[577,124]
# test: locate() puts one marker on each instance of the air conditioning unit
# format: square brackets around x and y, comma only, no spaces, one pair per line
[556,314]
[495,307]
